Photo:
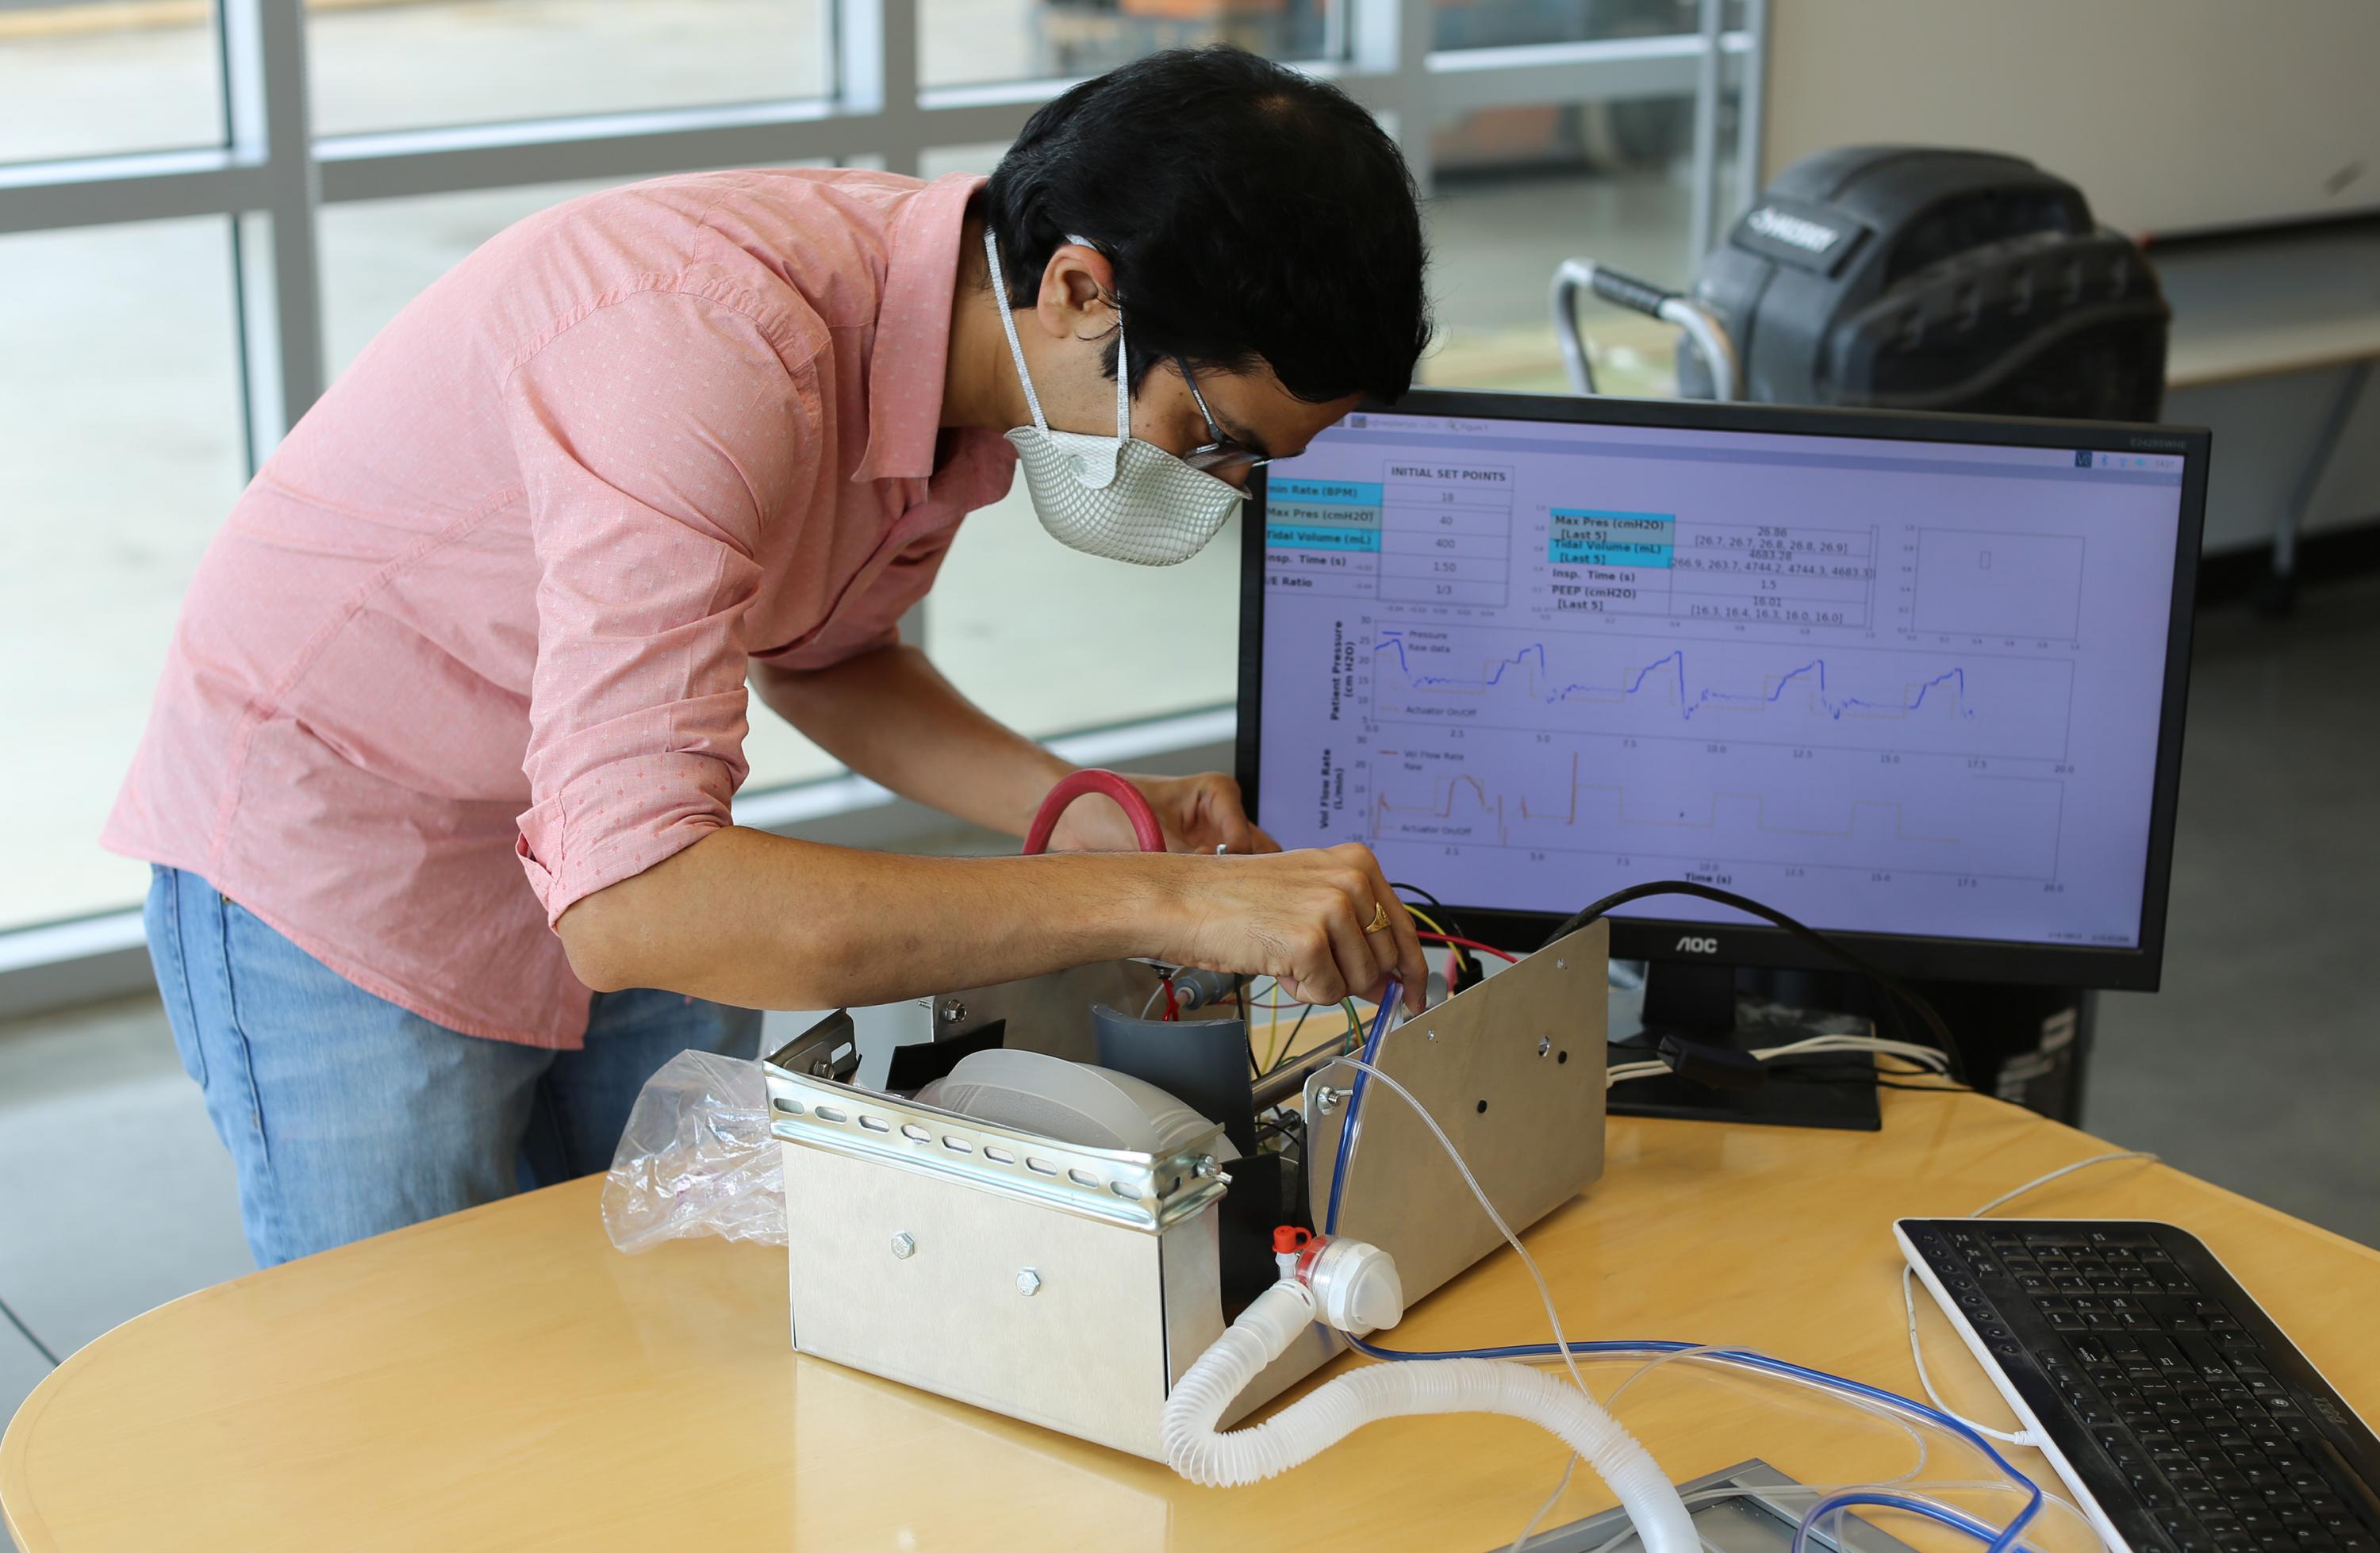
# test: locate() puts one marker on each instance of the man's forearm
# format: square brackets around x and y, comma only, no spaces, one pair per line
[742,917]
[765,921]
[891,717]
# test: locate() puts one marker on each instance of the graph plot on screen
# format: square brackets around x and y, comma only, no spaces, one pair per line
[1891,686]
[1834,698]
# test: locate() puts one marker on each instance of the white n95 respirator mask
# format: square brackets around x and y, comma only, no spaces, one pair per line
[1116,497]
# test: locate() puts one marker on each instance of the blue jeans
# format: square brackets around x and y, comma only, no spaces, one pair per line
[346,1115]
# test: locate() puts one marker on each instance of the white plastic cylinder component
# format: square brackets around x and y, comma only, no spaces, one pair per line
[1357,1287]
[1332,1412]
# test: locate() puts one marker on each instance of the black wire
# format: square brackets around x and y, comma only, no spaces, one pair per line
[1810,936]
[1247,1025]
[39,1346]
[1436,906]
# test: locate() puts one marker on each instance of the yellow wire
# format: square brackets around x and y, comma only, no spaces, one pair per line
[1424,917]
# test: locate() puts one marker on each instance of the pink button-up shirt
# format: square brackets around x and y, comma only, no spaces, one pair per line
[473,644]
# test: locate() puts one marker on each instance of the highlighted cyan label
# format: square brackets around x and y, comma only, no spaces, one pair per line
[1589,537]
[1323,515]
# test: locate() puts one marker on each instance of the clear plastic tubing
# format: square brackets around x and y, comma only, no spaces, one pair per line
[1999,1539]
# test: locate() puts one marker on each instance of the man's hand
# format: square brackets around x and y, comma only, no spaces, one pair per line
[1299,917]
[1197,814]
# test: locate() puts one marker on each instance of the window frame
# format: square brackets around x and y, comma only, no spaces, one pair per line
[271,175]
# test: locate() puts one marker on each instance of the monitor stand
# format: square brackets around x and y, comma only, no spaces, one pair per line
[1699,1002]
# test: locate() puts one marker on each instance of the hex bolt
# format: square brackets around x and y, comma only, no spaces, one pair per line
[1431,1034]
[953,1011]
[905,1244]
[1561,965]
[1028,1282]
[1545,1044]
[1326,1100]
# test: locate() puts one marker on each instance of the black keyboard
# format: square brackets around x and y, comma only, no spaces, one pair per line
[2181,1416]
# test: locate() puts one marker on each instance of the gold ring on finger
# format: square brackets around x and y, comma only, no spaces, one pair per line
[1379,918]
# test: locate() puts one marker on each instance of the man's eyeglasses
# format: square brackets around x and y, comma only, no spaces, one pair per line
[1221,456]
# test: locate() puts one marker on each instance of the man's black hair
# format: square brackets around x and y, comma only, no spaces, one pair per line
[1252,214]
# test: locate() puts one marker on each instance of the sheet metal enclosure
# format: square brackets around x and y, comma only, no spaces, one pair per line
[1070,1286]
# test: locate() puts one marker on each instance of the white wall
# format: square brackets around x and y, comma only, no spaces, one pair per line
[2171,114]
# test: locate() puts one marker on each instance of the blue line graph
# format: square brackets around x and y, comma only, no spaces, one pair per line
[1885,700]
[1690,700]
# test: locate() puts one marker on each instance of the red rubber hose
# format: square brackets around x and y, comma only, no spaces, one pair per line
[1144,829]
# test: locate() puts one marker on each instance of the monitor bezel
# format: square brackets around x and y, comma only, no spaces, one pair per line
[2136,969]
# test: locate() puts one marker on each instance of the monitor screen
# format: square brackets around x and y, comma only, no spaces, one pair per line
[1888,686]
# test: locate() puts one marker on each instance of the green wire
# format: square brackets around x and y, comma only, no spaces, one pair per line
[1354,1026]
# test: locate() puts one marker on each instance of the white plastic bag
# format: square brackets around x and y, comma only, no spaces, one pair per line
[697,1157]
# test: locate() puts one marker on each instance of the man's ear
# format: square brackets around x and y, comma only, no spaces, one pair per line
[1077,292]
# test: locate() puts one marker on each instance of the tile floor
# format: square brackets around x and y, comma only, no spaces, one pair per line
[2258,1067]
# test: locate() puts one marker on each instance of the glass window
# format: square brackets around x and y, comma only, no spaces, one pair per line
[1521,188]
[83,79]
[1486,24]
[1050,640]
[376,66]
[120,453]
[377,255]
[966,42]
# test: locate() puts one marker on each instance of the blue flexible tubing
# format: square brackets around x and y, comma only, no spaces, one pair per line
[1356,1099]
[1940,1514]
[1998,1542]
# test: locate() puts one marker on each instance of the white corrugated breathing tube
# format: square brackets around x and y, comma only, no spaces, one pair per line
[1338,1408]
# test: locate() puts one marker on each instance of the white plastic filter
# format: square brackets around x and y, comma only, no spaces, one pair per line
[1074,1102]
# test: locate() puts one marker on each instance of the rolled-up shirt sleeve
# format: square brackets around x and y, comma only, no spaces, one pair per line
[655,436]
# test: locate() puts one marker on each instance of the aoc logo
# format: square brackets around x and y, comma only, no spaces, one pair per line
[1698,946]
[1795,231]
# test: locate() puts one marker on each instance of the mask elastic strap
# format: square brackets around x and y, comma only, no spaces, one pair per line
[1008,323]
[1124,366]
[1123,384]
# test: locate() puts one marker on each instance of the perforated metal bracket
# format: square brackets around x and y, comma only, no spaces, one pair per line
[1148,1192]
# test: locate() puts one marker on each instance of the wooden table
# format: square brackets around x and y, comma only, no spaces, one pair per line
[503,1377]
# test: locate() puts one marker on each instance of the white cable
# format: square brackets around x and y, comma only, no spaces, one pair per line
[1926,1057]
[2007,1197]
[1916,1351]
[1908,1294]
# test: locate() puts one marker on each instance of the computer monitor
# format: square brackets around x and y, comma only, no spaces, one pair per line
[1915,680]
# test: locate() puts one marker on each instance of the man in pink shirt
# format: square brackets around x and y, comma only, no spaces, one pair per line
[437,781]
